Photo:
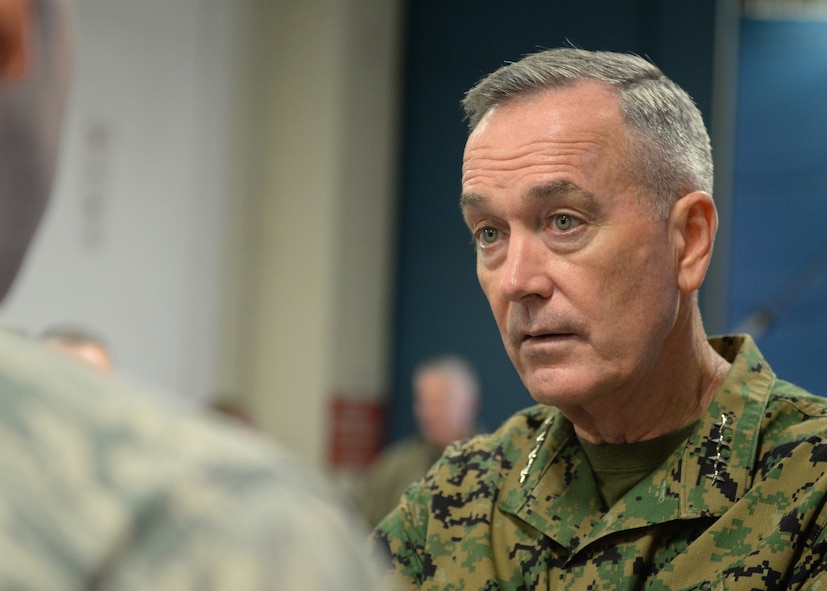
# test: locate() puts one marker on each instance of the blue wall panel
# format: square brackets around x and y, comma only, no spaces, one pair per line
[779,241]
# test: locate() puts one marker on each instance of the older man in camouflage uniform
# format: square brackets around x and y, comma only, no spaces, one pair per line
[101,488]
[658,458]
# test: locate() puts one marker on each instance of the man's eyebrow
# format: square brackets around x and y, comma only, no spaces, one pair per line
[559,190]
[545,192]
[471,201]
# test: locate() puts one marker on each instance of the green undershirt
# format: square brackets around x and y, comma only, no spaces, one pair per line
[619,467]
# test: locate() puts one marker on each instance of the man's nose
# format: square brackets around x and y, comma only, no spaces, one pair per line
[527,268]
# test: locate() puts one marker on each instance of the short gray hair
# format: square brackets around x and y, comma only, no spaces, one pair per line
[672,155]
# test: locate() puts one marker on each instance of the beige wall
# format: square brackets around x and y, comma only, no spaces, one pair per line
[321,276]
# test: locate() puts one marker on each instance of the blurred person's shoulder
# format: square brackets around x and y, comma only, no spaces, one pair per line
[105,480]
[71,411]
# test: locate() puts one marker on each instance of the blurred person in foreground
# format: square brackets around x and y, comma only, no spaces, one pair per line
[100,487]
[657,458]
[446,401]
[81,343]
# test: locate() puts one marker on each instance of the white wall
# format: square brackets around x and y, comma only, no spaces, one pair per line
[129,246]
[223,205]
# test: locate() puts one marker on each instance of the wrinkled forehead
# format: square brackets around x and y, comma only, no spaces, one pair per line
[571,134]
[586,93]
[587,110]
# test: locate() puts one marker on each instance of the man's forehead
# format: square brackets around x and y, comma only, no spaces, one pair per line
[586,116]
[585,94]
[578,130]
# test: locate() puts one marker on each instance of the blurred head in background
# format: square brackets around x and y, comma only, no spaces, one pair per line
[446,396]
[80,343]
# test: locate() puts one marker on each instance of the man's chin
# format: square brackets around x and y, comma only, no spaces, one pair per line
[557,387]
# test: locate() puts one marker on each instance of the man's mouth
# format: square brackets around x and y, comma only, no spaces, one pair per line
[538,337]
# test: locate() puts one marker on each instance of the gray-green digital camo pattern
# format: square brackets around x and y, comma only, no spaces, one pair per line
[740,506]
[101,488]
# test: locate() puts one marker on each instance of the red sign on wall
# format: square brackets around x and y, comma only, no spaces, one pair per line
[357,432]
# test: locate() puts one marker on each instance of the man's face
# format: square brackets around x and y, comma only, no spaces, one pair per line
[580,278]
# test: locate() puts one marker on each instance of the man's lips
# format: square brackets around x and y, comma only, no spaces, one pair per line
[540,337]
[525,328]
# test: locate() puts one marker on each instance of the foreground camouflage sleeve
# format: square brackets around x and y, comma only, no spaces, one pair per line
[240,528]
[103,488]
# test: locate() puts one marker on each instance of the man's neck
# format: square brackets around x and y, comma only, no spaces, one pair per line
[664,401]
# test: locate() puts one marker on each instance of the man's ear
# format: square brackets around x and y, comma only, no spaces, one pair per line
[15,29]
[694,222]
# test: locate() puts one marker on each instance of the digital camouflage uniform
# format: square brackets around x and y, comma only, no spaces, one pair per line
[739,506]
[101,488]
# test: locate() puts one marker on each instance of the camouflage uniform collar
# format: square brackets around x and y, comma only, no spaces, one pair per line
[701,479]
[720,457]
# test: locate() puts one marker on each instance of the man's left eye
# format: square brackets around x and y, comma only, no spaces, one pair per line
[563,222]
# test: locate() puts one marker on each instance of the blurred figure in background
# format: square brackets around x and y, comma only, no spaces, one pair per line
[446,403]
[100,486]
[81,343]
[229,405]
